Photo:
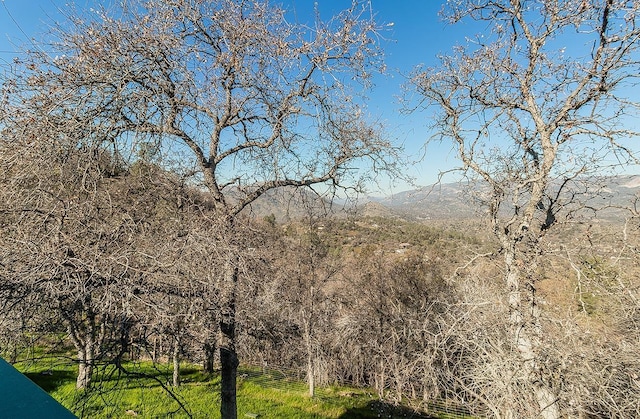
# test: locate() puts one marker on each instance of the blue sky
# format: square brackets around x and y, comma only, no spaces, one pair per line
[414,33]
[416,36]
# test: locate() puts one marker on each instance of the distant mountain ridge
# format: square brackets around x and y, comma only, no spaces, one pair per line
[441,201]
[455,200]
[446,201]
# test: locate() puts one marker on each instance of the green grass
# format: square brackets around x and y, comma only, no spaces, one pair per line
[268,395]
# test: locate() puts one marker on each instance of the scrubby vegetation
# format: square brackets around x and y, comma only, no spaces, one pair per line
[403,313]
[138,274]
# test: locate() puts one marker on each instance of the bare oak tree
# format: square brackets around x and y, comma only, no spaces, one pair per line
[230,90]
[533,106]
[65,243]
[305,290]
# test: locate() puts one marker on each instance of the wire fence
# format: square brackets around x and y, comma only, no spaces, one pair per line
[293,381]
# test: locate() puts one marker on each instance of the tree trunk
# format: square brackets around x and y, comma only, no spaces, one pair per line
[209,349]
[154,353]
[526,331]
[311,378]
[176,363]
[311,382]
[85,365]
[84,338]
[380,379]
[228,357]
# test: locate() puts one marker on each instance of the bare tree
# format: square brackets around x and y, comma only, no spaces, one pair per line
[390,325]
[306,289]
[87,237]
[533,106]
[65,244]
[603,372]
[231,90]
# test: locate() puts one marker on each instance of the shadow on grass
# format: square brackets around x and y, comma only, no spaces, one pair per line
[51,380]
[380,409]
[197,375]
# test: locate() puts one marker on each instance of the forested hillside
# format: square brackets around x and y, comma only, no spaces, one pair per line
[409,309]
[183,183]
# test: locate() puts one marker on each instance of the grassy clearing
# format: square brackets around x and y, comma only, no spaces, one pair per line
[144,393]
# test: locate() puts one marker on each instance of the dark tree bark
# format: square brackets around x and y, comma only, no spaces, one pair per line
[227,340]
[209,351]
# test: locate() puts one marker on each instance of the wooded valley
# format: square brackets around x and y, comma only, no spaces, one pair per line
[143,146]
